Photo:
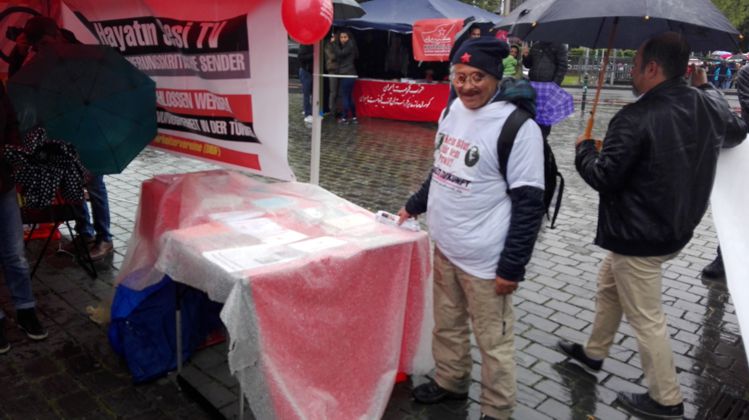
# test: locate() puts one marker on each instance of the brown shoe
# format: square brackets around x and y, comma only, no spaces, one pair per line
[80,241]
[100,250]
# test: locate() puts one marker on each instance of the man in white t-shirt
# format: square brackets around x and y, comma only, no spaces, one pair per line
[484,227]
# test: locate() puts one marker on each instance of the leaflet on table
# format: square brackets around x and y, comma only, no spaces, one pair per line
[244,258]
[230,217]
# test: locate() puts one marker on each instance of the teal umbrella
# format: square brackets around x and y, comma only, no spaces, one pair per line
[91,97]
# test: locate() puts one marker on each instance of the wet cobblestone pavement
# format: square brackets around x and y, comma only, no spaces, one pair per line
[377,164]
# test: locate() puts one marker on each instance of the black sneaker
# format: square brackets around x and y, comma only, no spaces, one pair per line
[643,404]
[431,393]
[577,353]
[4,344]
[715,270]
[29,323]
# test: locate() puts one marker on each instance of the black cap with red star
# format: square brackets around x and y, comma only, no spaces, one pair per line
[485,53]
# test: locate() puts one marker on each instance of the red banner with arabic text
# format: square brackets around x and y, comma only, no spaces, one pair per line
[433,38]
[400,101]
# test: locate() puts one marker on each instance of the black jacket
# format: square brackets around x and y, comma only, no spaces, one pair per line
[306,57]
[656,168]
[742,88]
[547,62]
[346,54]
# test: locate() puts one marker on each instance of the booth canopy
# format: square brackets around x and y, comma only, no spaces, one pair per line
[399,15]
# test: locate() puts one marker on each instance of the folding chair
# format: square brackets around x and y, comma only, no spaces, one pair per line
[58,213]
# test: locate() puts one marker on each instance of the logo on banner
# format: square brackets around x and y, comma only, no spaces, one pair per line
[439,40]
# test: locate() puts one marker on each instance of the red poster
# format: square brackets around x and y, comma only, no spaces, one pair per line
[433,38]
[400,101]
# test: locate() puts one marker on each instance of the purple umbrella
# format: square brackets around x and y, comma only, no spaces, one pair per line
[553,104]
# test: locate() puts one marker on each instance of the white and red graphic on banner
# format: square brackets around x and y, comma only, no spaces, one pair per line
[433,38]
[220,68]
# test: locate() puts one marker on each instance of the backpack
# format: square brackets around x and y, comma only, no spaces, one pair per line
[551,171]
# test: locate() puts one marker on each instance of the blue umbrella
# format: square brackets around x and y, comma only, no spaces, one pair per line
[91,97]
[553,104]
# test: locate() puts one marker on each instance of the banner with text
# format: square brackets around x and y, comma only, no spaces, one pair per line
[213,62]
[400,101]
[433,38]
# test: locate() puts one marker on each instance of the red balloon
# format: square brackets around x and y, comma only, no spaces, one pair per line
[307,21]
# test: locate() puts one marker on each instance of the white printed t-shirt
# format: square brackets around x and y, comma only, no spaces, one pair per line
[468,211]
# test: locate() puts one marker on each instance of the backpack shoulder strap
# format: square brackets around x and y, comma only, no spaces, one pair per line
[507,138]
[450,101]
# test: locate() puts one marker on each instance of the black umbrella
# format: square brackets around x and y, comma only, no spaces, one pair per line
[620,24]
[590,23]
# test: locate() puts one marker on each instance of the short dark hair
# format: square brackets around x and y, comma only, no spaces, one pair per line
[670,51]
[38,27]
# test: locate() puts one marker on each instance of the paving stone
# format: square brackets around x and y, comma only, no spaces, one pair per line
[542,323]
[525,413]
[126,401]
[77,405]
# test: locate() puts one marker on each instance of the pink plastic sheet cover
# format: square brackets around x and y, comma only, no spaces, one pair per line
[317,336]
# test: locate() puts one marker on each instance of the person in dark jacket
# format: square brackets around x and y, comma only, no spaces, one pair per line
[12,251]
[39,32]
[654,175]
[346,53]
[715,270]
[484,227]
[305,57]
[546,62]
[331,67]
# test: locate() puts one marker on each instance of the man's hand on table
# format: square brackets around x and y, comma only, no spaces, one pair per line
[403,215]
[504,287]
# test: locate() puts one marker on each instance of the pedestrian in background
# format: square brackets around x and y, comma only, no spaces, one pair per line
[484,228]
[305,57]
[346,53]
[546,62]
[648,209]
[511,64]
[722,76]
[331,67]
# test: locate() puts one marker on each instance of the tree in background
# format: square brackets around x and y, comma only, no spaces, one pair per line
[737,11]
[490,5]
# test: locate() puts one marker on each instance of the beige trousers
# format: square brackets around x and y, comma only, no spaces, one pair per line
[458,296]
[632,286]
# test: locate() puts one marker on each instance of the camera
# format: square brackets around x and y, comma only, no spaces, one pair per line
[13,32]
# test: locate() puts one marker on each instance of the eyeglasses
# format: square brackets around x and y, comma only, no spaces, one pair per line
[461,78]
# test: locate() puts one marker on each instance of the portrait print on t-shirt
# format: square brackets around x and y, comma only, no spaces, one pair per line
[455,162]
